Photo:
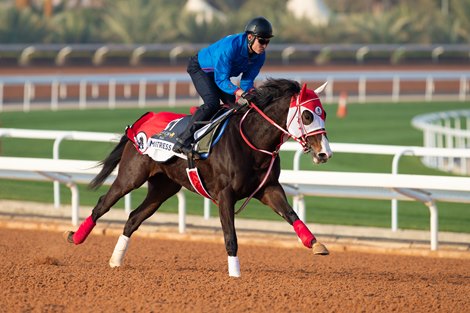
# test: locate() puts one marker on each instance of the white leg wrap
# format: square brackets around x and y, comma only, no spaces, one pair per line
[119,251]
[233,266]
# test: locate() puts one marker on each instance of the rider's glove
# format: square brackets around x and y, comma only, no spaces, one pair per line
[246,97]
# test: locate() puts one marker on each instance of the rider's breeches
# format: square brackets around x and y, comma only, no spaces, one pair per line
[211,96]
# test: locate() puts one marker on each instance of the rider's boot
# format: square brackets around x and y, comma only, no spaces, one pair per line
[182,144]
[185,139]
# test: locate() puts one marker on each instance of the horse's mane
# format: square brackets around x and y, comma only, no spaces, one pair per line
[273,89]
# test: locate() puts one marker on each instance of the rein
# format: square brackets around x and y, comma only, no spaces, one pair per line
[302,140]
[273,154]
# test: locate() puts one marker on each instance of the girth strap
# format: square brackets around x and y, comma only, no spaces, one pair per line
[196,182]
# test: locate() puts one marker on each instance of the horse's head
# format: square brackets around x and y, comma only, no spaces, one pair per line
[306,123]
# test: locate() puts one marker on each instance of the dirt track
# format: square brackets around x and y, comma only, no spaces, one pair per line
[40,273]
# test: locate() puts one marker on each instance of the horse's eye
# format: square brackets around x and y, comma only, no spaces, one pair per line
[307,117]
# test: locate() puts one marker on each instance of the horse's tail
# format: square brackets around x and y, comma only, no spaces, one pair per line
[109,164]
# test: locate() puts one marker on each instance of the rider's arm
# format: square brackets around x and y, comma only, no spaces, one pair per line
[222,70]
[249,76]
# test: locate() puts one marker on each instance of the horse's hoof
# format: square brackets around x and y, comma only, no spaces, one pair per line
[115,261]
[68,236]
[319,249]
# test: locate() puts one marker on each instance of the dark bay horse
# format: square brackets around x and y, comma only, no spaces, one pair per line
[243,164]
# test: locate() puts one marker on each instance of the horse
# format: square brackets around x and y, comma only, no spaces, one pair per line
[244,164]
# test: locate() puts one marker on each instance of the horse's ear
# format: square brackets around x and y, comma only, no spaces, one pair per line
[321,88]
[303,91]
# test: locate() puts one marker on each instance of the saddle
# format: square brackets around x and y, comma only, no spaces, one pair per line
[154,134]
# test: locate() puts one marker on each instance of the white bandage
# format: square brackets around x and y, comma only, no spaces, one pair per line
[119,251]
[233,266]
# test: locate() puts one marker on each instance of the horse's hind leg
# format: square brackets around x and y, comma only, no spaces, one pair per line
[133,172]
[160,188]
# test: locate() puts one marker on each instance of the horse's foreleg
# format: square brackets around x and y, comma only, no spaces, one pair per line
[275,198]
[160,188]
[227,220]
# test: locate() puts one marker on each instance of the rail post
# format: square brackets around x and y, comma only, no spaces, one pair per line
[394,204]
[55,156]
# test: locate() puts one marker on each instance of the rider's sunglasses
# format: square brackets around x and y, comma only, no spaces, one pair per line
[263,41]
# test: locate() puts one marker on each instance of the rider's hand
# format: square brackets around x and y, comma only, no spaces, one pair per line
[246,97]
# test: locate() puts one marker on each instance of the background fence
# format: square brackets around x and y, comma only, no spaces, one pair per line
[175,88]
[449,129]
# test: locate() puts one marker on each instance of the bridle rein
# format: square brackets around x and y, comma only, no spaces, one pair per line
[302,139]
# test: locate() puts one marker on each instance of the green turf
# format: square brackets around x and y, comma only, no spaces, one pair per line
[371,123]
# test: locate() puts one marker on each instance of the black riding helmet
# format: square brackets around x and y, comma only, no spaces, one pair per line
[260,27]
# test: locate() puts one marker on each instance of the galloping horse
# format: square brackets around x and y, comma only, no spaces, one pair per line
[243,164]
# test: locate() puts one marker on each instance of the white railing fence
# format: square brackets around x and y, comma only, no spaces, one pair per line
[56,92]
[450,129]
[58,137]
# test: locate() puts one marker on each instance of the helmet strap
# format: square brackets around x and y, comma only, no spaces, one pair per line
[251,42]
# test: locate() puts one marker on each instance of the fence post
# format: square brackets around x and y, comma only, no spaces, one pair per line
[27,96]
[112,94]
[394,208]
[55,156]
[142,92]
[463,88]
[1,96]
[82,95]
[429,88]
[54,95]
[172,93]
[396,89]
[207,208]
[181,212]
[362,89]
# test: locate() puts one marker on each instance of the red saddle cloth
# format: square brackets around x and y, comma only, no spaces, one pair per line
[151,123]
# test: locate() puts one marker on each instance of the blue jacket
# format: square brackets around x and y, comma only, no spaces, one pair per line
[228,58]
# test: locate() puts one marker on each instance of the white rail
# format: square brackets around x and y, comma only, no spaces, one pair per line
[424,188]
[450,129]
[58,137]
[69,172]
[88,87]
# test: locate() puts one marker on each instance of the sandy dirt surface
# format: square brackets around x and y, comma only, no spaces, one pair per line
[41,273]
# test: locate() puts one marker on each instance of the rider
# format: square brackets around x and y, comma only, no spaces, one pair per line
[212,68]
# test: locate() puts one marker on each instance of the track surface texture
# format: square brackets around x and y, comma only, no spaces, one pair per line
[41,273]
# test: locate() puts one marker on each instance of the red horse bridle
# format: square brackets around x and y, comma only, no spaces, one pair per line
[302,140]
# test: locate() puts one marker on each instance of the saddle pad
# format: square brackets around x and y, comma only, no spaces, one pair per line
[154,134]
[148,125]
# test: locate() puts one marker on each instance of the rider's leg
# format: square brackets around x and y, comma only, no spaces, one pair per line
[209,92]
[184,140]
